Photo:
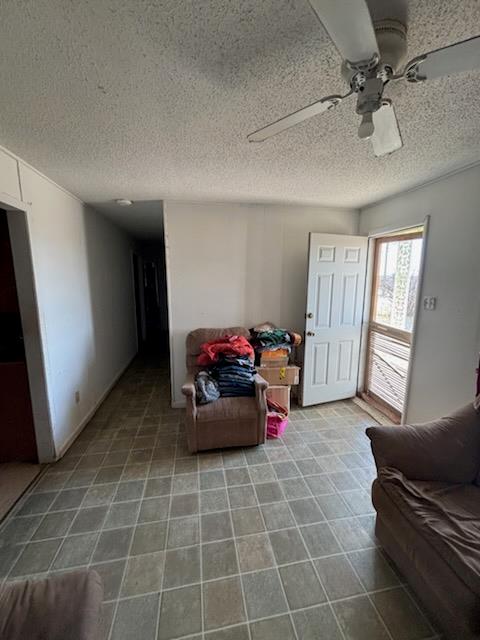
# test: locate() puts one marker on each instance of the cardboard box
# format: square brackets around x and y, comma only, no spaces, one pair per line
[280,394]
[277,358]
[284,376]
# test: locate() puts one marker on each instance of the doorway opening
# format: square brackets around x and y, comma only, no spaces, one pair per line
[17,433]
[138,289]
[397,264]
[18,446]
[151,305]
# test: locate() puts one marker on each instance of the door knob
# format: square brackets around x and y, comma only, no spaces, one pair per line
[310,315]
[310,333]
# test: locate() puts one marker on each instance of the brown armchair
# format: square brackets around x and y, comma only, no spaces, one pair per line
[226,422]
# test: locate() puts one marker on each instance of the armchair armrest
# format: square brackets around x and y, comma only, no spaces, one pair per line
[445,450]
[261,385]
[188,388]
[190,392]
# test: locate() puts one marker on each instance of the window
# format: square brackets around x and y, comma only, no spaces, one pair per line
[396,274]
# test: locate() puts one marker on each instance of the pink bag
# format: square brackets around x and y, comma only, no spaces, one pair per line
[478,379]
[277,419]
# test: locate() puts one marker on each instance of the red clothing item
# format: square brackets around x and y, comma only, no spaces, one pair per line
[229,345]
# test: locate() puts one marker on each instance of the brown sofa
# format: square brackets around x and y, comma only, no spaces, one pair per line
[427,498]
[62,607]
[226,422]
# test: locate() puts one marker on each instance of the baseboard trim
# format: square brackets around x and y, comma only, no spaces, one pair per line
[179,404]
[71,439]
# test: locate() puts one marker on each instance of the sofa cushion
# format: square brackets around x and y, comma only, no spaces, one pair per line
[445,594]
[447,515]
[56,608]
[228,409]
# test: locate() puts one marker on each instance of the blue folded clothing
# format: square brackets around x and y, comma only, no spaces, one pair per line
[229,392]
[234,376]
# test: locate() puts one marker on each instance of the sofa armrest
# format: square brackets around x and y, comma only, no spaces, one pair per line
[60,606]
[445,450]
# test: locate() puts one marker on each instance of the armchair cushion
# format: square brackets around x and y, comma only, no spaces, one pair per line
[228,409]
[197,337]
[444,450]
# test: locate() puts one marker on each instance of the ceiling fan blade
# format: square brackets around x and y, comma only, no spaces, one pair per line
[294,118]
[462,56]
[386,136]
[349,25]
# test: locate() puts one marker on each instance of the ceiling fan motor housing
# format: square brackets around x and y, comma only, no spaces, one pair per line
[392,43]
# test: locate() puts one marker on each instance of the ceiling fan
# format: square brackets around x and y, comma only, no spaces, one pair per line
[372,55]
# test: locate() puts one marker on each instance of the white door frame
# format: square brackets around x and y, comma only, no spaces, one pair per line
[379,233]
[17,216]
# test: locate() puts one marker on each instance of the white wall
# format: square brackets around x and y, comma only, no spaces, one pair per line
[448,339]
[83,279]
[233,264]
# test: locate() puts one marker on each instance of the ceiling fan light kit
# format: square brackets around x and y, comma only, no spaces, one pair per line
[373,56]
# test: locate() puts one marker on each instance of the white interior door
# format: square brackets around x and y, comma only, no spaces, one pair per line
[336,283]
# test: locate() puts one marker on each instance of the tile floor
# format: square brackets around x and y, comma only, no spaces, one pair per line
[265,543]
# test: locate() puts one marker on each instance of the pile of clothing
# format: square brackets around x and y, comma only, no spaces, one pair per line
[229,369]
[268,337]
[227,346]
[234,375]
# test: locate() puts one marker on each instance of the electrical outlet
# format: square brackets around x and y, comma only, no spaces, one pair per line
[429,303]
[77,397]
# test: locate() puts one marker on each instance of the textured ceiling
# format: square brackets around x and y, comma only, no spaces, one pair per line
[152,99]
[144,220]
